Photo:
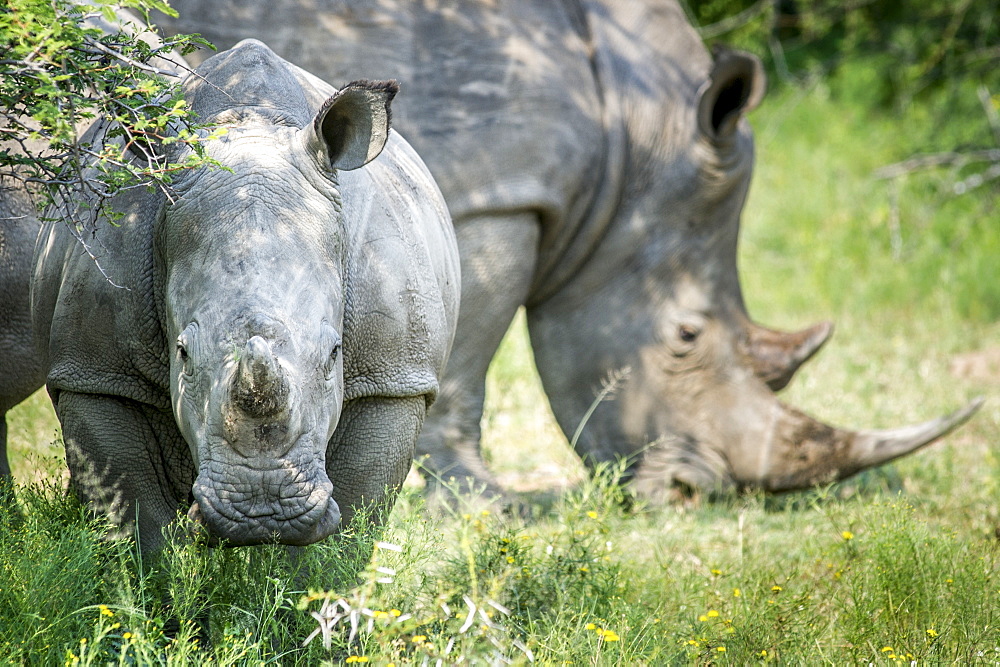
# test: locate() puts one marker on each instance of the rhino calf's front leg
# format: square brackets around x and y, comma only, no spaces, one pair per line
[371,451]
[127,461]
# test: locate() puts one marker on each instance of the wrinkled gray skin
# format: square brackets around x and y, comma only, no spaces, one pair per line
[280,329]
[595,159]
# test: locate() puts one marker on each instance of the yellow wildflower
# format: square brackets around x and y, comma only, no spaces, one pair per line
[776,589]
[592,514]
[127,635]
[931,632]
[712,613]
[417,639]
[591,626]
[608,635]
[847,535]
[510,559]
[703,618]
[736,593]
[886,649]
[395,612]
[720,649]
[716,572]
[103,608]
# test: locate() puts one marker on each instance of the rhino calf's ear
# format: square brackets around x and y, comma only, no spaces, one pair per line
[353,125]
[735,87]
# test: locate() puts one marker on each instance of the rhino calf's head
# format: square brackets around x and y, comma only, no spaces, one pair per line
[254,294]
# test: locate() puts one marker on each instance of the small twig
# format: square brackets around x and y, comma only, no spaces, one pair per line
[992,116]
[931,160]
[609,386]
[129,61]
[976,180]
[895,228]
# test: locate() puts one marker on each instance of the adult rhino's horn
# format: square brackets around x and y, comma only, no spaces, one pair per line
[775,356]
[803,452]
[260,388]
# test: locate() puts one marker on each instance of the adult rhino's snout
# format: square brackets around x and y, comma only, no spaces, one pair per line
[260,386]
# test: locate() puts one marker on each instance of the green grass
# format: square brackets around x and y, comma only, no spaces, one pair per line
[899,564]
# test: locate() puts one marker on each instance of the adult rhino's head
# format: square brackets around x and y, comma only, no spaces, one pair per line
[252,259]
[657,311]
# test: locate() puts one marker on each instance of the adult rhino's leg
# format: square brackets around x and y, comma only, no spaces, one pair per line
[498,256]
[127,461]
[370,453]
[22,368]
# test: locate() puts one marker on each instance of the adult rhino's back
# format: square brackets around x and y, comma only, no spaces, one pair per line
[482,81]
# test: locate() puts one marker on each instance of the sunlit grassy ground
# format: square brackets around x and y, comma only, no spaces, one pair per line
[899,564]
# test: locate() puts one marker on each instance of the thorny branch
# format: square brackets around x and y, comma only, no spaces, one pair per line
[953,159]
[50,96]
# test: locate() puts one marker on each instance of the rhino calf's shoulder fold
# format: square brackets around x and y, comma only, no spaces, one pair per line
[281,327]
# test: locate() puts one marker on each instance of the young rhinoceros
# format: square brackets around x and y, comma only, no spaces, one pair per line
[262,349]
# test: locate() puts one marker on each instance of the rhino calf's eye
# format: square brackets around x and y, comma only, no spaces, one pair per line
[687,333]
[330,367]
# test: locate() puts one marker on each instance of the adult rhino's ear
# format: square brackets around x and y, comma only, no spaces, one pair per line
[735,87]
[353,125]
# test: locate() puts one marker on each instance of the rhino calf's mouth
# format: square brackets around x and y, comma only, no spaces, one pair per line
[276,506]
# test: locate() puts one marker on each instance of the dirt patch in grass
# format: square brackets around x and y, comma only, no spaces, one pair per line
[981,365]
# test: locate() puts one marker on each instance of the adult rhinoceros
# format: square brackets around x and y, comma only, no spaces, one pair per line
[22,369]
[264,346]
[595,161]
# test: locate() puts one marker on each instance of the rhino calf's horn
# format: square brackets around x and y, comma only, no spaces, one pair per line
[260,388]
